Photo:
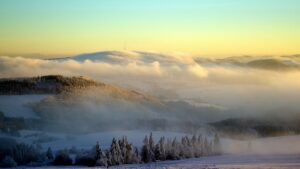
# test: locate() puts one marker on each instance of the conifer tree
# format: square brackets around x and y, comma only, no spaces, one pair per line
[98,152]
[145,154]
[115,152]
[49,154]
[216,145]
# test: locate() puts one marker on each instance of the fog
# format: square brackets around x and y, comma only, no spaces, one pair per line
[272,145]
[235,83]
[176,93]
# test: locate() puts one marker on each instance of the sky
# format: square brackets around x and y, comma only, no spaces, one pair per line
[197,27]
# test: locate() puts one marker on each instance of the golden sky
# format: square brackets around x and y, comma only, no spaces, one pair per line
[198,27]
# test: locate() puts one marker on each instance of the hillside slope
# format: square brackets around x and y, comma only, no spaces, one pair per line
[56,84]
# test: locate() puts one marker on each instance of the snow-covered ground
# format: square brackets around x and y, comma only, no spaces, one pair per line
[227,162]
[291,161]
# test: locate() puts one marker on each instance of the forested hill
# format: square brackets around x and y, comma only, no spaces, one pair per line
[51,84]
[56,84]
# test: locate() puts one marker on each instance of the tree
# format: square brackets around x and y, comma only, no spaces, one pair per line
[205,147]
[109,158]
[146,150]
[85,160]
[62,158]
[151,143]
[24,154]
[49,154]
[98,151]
[160,149]
[8,161]
[199,146]
[175,150]
[151,148]
[216,145]
[123,144]
[131,156]
[100,157]
[115,151]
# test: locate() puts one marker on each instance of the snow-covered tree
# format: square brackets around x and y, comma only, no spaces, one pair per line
[116,154]
[148,149]
[123,143]
[160,149]
[216,145]
[131,156]
[49,154]
[98,151]
[145,150]
[109,158]
[175,148]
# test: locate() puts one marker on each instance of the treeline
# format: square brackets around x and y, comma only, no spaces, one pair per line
[11,125]
[13,154]
[50,84]
[120,152]
[245,128]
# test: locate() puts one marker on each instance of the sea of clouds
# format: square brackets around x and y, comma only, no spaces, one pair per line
[246,85]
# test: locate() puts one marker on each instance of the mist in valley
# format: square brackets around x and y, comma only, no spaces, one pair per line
[167,92]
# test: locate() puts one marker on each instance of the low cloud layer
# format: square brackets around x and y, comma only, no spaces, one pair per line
[246,85]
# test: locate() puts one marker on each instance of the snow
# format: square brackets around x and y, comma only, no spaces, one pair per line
[218,162]
[275,152]
[227,161]
[19,105]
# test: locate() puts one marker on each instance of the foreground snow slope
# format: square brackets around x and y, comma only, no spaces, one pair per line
[220,162]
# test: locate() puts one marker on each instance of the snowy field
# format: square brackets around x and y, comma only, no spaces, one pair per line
[219,162]
[265,153]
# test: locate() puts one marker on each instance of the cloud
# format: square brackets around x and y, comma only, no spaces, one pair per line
[272,63]
[102,65]
[234,83]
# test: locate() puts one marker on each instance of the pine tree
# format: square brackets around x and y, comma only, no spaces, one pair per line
[216,145]
[162,147]
[175,150]
[115,152]
[145,154]
[98,152]
[49,154]
[160,150]
[123,147]
[205,147]
[151,147]
[109,158]
[157,152]
[200,145]
[131,156]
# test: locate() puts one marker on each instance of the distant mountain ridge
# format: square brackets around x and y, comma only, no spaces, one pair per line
[274,63]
